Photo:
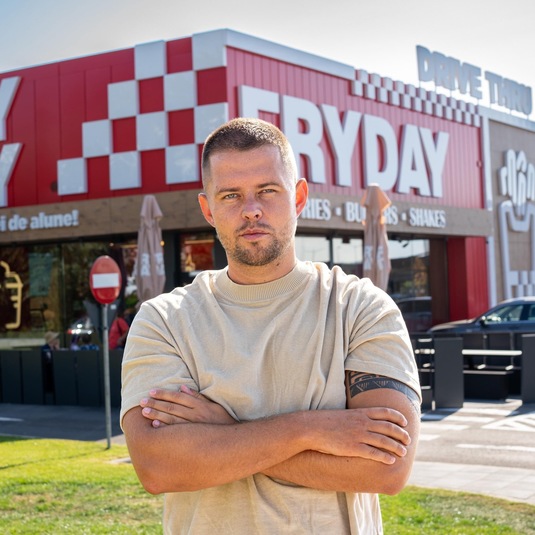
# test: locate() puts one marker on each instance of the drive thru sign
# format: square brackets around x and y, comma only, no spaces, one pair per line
[105,280]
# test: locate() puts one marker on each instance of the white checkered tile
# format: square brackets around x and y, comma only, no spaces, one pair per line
[72,176]
[180,91]
[125,170]
[96,138]
[181,164]
[151,131]
[123,99]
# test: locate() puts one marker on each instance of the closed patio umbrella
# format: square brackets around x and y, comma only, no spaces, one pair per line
[150,269]
[376,263]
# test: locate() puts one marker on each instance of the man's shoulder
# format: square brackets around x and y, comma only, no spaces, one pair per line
[347,286]
[335,274]
[200,285]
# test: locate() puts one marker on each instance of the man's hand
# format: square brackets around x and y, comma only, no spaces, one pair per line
[166,407]
[374,433]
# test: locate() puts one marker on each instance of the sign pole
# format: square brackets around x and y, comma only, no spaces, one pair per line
[106,355]
[105,283]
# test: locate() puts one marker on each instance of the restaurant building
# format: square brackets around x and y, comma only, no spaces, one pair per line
[84,140]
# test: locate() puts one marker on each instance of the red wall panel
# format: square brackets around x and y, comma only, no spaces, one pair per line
[181,127]
[179,55]
[72,114]
[153,171]
[124,134]
[98,177]
[47,112]
[150,95]
[96,94]
[467,277]
[211,86]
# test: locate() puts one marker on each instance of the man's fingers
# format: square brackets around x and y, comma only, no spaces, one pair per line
[187,390]
[387,414]
[185,405]
[185,397]
[374,454]
[161,417]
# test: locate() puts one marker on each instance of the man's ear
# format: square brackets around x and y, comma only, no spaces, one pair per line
[301,195]
[205,208]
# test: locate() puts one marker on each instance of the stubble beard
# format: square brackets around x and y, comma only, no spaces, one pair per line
[256,254]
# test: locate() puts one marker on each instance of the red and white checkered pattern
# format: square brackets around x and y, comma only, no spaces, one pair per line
[147,113]
[409,97]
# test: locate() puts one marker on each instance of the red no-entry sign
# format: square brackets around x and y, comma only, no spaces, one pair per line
[105,280]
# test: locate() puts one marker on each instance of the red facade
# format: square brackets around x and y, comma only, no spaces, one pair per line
[60,111]
[53,101]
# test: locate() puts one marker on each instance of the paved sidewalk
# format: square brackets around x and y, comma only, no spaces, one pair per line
[88,423]
[516,484]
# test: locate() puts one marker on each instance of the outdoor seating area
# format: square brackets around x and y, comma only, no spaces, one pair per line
[72,378]
[475,366]
[451,369]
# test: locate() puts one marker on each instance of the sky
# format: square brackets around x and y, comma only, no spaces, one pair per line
[379,36]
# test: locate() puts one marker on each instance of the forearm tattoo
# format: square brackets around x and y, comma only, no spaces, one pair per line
[361,382]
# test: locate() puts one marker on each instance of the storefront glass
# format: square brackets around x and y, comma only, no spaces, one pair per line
[409,258]
[45,287]
[347,253]
[313,248]
[410,268]
[196,254]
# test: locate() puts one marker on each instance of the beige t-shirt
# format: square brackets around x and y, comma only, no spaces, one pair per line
[260,350]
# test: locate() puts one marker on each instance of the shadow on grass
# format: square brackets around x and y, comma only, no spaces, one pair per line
[50,450]
[10,438]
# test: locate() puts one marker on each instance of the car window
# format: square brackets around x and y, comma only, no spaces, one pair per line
[505,313]
[531,313]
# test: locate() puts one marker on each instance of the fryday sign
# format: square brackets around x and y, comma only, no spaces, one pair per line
[415,161]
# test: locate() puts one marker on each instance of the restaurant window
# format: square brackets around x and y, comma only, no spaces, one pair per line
[196,255]
[45,287]
[313,248]
[410,268]
[347,253]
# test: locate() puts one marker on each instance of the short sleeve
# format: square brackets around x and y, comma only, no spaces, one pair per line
[151,359]
[379,342]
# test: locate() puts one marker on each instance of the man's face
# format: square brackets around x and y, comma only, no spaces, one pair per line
[253,204]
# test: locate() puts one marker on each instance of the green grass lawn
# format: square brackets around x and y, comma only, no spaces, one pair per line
[64,486]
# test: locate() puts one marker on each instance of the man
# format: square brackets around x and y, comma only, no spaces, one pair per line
[51,344]
[273,396]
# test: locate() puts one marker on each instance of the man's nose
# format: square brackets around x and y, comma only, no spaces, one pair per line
[252,210]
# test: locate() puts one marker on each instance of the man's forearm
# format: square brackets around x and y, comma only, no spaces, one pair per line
[341,474]
[192,456]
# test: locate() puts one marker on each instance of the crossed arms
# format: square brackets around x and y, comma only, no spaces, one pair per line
[181,441]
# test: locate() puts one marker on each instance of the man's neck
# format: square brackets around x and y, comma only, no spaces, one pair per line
[242,274]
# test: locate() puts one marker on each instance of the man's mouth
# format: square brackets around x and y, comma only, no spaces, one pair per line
[253,233]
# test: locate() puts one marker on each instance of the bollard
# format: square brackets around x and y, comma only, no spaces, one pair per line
[448,377]
[527,378]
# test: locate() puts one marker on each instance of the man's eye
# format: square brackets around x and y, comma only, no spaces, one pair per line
[230,196]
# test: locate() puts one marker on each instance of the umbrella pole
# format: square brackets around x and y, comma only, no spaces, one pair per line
[106,355]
